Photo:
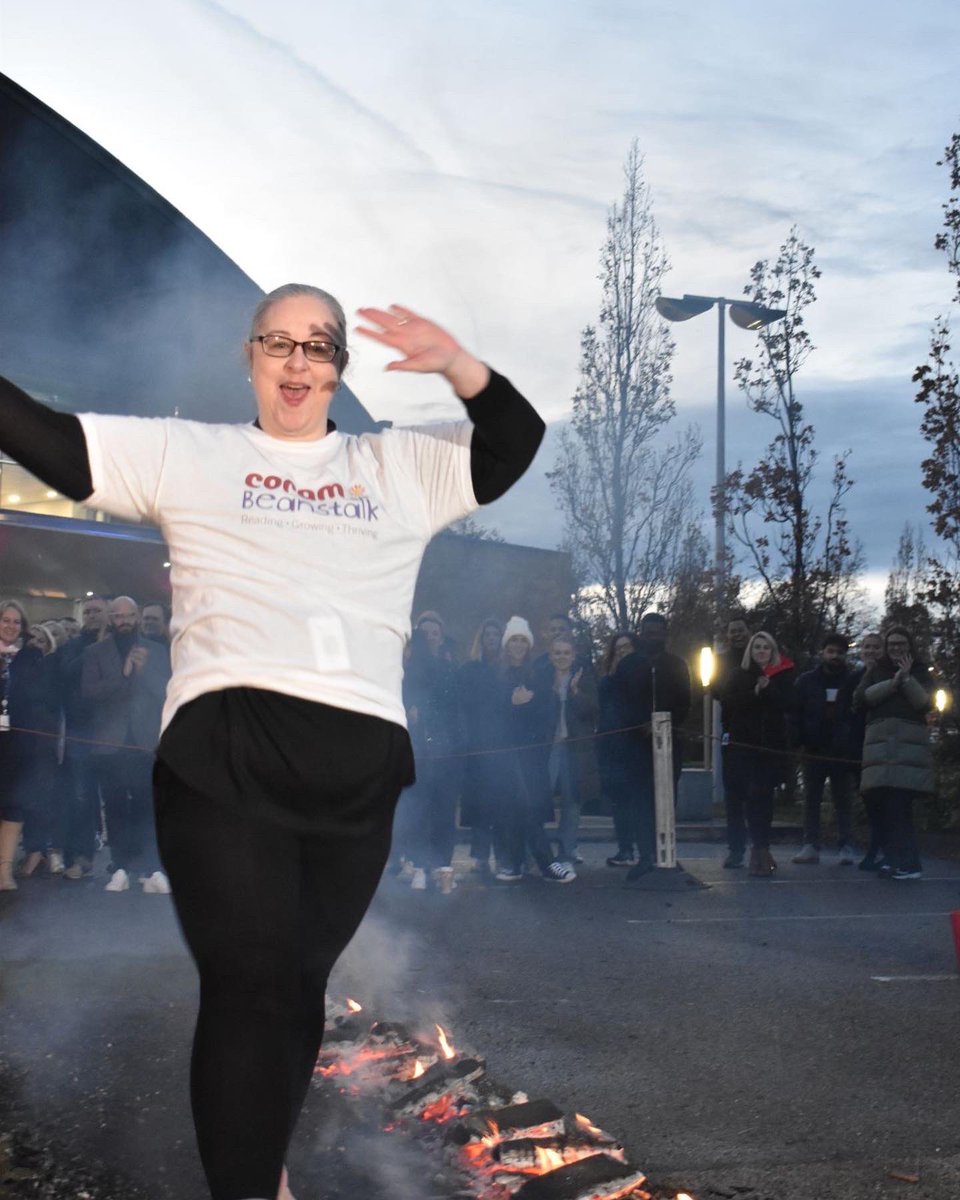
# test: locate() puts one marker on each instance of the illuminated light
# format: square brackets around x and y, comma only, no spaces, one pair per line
[167,566]
[445,1047]
[89,593]
[684,1196]
[13,498]
[941,700]
[706,666]
[51,495]
[351,1004]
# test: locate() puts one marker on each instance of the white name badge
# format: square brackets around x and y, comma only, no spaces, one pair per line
[832,694]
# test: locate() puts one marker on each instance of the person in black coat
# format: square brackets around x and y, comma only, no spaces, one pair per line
[650,680]
[824,730]
[528,712]
[426,819]
[759,699]
[23,716]
[612,751]
[483,722]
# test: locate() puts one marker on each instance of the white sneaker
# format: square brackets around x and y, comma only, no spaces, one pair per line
[55,863]
[809,855]
[419,881]
[156,884]
[119,881]
[560,872]
[847,855]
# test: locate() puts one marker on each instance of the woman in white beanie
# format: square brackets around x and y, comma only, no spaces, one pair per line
[529,713]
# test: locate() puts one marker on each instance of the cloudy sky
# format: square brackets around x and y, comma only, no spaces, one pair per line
[460,159]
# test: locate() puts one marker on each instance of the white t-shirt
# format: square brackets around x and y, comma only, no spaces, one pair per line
[293,563]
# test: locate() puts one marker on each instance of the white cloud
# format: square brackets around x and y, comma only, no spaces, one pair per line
[461,159]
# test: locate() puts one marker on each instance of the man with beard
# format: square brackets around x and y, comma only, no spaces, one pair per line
[125,677]
[825,730]
[734,787]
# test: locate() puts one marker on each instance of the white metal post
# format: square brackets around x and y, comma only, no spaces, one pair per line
[662,733]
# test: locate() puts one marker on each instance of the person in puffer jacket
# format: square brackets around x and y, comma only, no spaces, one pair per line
[897,759]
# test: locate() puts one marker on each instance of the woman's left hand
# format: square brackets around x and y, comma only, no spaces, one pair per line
[426,348]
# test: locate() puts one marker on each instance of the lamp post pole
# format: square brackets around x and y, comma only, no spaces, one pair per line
[720,540]
[719,554]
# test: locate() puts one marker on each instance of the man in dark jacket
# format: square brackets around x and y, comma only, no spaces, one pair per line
[734,786]
[125,677]
[81,787]
[825,731]
[648,681]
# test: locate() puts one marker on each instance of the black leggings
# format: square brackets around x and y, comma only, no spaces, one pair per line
[266,912]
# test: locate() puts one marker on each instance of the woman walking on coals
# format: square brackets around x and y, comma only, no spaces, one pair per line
[759,697]
[283,753]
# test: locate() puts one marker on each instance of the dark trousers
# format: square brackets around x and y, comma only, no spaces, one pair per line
[735,784]
[125,781]
[815,776]
[43,817]
[266,913]
[758,776]
[518,828]
[425,831]
[898,835]
[82,817]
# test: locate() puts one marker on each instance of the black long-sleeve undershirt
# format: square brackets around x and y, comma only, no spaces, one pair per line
[51,445]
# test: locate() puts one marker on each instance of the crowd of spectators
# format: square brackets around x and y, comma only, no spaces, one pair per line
[863,728]
[80,709]
[512,740]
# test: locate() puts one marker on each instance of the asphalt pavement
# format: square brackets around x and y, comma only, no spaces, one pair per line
[790,1037]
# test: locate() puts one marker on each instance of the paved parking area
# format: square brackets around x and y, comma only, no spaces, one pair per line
[791,1037]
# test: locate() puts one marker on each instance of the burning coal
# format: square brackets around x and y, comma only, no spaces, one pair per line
[497,1143]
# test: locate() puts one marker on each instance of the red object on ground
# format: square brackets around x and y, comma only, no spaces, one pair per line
[955,926]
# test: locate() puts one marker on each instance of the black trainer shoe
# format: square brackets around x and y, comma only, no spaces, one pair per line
[621,859]
[733,860]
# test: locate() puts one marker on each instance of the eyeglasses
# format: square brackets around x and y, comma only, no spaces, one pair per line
[278,346]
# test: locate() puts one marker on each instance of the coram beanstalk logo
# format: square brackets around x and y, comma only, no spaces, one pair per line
[272,493]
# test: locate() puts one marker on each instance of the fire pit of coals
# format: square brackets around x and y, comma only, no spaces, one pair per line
[500,1144]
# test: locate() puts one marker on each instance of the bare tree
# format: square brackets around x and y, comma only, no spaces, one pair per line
[904,596]
[805,560]
[624,489]
[940,396]
[469,527]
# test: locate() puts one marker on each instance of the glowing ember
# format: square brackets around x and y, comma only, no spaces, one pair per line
[684,1196]
[446,1048]
[354,1006]
[419,1069]
[442,1110]
[548,1160]
[587,1124]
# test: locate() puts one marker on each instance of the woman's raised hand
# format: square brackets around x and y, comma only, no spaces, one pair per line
[426,348]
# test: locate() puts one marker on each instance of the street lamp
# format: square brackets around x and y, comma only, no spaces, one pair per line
[746,316]
[706,678]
